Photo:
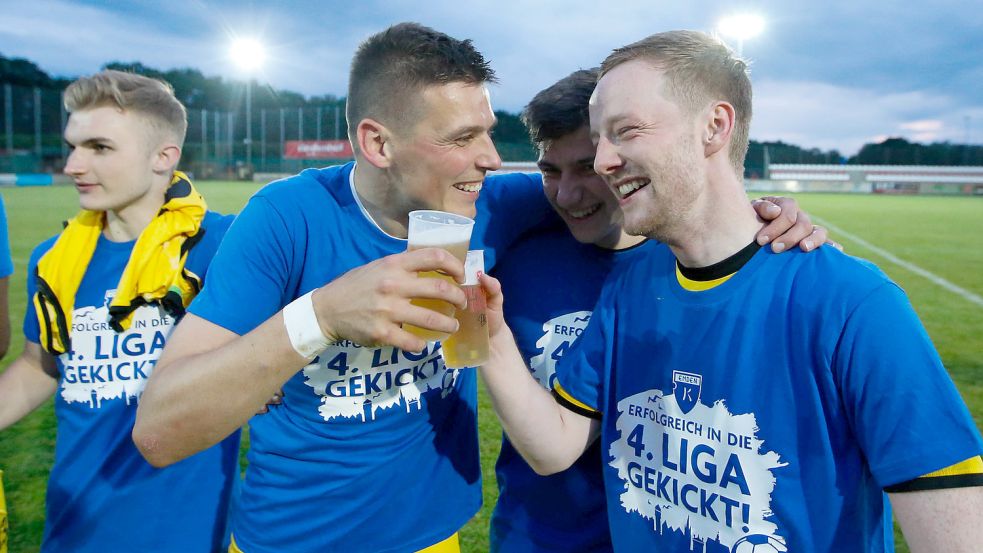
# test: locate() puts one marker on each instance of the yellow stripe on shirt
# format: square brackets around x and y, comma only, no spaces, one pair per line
[965,474]
[699,285]
[973,465]
[450,545]
[573,403]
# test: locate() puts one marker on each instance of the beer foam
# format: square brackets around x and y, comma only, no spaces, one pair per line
[440,237]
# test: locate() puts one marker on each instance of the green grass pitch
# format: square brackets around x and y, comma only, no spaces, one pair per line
[939,234]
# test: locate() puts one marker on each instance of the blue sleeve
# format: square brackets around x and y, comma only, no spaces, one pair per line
[510,206]
[32,329]
[200,257]
[249,276]
[580,372]
[904,409]
[6,263]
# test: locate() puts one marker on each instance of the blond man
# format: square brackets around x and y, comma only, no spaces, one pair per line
[103,297]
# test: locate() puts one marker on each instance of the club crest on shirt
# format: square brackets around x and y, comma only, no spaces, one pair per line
[559,333]
[686,387]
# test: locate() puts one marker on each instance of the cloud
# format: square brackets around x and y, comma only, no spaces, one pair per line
[828,116]
[831,74]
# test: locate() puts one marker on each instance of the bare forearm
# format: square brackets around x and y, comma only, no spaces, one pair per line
[23,387]
[194,400]
[941,520]
[549,437]
[4,317]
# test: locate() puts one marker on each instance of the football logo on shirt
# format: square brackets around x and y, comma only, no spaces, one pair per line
[696,470]
[358,382]
[106,365]
[558,334]
[686,388]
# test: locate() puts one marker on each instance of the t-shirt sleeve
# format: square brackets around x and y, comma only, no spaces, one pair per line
[513,205]
[249,277]
[6,263]
[904,408]
[580,373]
[214,228]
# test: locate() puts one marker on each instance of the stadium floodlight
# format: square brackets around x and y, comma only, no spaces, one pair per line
[741,27]
[248,54]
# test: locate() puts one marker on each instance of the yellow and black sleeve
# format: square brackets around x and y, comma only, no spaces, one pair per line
[966,474]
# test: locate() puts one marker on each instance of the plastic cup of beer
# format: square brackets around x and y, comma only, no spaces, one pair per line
[437,229]
[468,347]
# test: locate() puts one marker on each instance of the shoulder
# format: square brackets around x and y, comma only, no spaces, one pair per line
[831,269]
[217,223]
[287,204]
[508,185]
[40,250]
[641,263]
[826,283]
[512,191]
[214,227]
[298,190]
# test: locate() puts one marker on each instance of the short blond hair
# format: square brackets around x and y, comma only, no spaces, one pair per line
[700,69]
[152,98]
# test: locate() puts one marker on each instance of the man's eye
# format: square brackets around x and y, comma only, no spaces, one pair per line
[587,169]
[623,131]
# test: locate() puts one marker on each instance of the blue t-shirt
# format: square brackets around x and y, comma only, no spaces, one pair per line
[102,495]
[372,449]
[772,409]
[551,283]
[6,264]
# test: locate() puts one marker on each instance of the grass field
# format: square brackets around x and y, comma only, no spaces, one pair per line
[939,234]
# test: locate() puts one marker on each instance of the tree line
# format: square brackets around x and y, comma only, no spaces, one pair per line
[198,91]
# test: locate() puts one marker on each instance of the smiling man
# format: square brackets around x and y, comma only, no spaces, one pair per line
[719,429]
[374,447]
[552,280]
[104,295]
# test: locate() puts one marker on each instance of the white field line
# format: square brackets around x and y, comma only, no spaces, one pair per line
[966,294]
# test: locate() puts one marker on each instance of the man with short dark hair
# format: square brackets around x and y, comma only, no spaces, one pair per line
[549,308]
[720,430]
[374,447]
[103,297]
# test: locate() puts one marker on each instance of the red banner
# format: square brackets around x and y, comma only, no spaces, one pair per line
[317,149]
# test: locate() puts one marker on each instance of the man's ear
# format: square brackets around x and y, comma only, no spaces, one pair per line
[720,125]
[374,142]
[167,157]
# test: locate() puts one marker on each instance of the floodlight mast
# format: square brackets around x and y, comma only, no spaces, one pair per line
[248,55]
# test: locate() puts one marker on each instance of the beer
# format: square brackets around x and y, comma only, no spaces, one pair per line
[436,229]
[468,347]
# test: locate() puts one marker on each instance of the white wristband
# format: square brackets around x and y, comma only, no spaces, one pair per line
[302,327]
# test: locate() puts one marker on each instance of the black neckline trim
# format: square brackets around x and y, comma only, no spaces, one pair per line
[720,269]
[622,250]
